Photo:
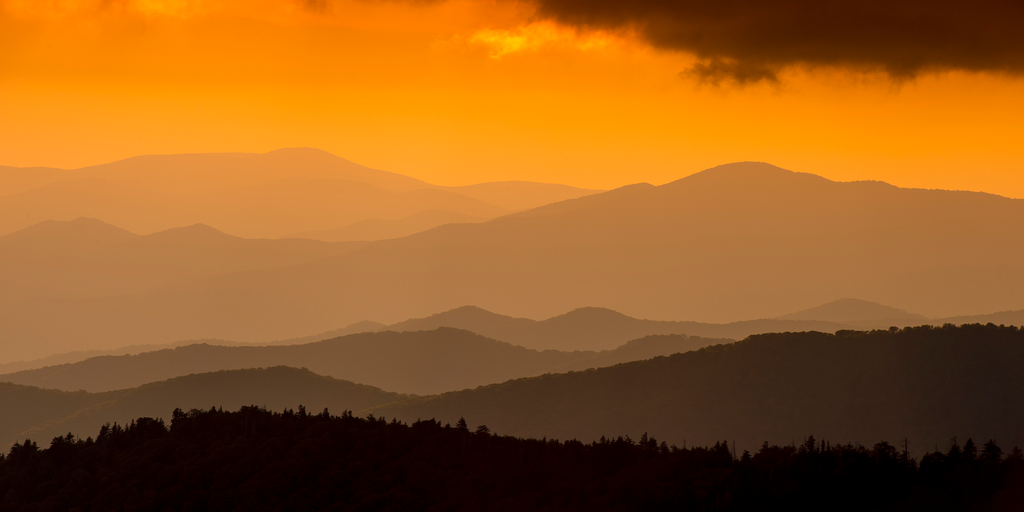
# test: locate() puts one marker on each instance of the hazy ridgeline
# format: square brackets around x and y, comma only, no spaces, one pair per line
[740,241]
[266,195]
[309,460]
[581,330]
[420,362]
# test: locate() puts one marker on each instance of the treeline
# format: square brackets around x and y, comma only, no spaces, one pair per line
[255,459]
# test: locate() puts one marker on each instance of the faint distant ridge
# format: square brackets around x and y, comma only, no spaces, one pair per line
[268,195]
[214,171]
[81,355]
[470,318]
[87,257]
[84,229]
[597,328]
[746,240]
[857,312]
[998,318]
[588,329]
[380,229]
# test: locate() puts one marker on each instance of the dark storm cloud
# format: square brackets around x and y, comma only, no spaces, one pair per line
[751,40]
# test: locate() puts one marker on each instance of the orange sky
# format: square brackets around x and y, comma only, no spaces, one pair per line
[462,92]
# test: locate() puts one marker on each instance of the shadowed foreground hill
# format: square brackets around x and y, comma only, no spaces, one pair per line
[924,384]
[43,414]
[421,362]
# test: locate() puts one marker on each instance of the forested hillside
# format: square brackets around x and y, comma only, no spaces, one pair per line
[309,460]
[922,384]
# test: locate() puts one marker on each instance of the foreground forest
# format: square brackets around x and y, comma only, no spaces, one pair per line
[255,459]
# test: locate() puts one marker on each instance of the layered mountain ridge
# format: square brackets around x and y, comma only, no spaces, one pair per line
[267,195]
[740,241]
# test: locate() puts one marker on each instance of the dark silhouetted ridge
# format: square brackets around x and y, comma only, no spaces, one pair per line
[306,459]
[918,383]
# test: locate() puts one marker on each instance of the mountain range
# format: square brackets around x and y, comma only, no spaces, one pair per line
[419,362]
[735,242]
[89,258]
[581,330]
[922,384]
[266,195]
[591,328]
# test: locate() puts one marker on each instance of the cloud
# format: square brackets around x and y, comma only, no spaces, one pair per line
[532,37]
[752,40]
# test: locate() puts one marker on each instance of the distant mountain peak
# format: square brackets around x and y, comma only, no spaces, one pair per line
[748,173]
[592,312]
[301,150]
[853,311]
[466,311]
[192,231]
[749,167]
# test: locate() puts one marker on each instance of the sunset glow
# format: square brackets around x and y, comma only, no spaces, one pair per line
[466,91]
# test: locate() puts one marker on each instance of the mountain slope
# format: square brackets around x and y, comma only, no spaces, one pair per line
[923,384]
[380,229]
[262,210]
[26,407]
[739,241]
[14,180]
[421,362]
[521,195]
[275,388]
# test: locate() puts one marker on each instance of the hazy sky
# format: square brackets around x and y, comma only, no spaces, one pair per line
[595,94]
